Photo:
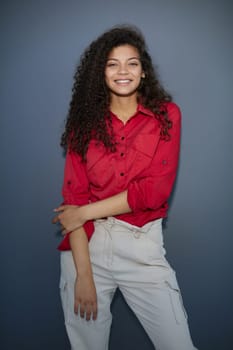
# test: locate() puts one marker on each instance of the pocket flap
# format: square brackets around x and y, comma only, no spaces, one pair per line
[62,284]
[172,282]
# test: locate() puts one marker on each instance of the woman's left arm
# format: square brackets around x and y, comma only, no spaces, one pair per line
[74,217]
[153,190]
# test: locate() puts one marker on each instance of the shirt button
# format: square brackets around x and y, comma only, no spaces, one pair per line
[68,182]
[122,154]
[123,137]
[122,174]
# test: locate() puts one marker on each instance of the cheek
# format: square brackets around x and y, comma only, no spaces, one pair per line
[106,77]
[108,73]
[107,81]
[139,78]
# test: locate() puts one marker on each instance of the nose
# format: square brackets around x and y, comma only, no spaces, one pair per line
[122,69]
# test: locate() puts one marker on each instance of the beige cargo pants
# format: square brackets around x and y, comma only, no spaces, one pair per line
[132,259]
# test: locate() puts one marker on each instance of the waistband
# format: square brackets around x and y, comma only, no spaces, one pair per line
[136,230]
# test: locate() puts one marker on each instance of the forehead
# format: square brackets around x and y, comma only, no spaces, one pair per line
[123,51]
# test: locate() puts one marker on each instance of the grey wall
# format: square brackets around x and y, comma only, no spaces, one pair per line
[190,42]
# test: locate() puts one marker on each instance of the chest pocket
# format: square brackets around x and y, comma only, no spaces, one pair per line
[142,152]
[100,169]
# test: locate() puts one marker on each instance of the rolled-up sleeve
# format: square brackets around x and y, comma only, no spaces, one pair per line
[153,190]
[75,190]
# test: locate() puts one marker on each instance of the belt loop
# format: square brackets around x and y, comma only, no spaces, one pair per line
[110,222]
[136,233]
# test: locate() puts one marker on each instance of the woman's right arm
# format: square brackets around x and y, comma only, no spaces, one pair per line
[76,192]
[85,298]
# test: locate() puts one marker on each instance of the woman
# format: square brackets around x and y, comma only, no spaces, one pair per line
[122,138]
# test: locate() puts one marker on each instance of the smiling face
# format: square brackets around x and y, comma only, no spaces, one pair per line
[123,71]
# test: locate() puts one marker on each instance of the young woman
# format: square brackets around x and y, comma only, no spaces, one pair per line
[122,138]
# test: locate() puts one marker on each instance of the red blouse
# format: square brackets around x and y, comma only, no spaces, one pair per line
[143,164]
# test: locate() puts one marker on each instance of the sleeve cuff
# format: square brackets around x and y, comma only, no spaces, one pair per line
[65,243]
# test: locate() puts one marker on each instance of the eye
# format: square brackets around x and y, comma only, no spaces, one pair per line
[111,64]
[134,64]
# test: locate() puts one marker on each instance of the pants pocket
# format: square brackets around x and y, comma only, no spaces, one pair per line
[147,252]
[176,300]
[63,286]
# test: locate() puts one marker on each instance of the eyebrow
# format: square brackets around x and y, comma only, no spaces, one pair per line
[131,58]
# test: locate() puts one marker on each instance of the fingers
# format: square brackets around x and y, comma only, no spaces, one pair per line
[94,311]
[55,220]
[63,231]
[91,311]
[76,307]
[61,208]
[64,207]
[86,310]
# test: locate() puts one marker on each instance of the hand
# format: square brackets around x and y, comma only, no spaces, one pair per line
[56,219]
[70,217]
[85,298]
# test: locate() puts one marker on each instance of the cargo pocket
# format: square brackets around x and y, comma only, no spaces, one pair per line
[63,285]
[176,300]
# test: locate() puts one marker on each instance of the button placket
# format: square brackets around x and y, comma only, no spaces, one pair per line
[122,156]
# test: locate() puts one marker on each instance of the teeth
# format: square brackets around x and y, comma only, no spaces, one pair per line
[123,81]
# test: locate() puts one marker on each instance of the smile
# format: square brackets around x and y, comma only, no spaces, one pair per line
[122,81]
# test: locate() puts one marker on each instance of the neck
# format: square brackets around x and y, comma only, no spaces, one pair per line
[124,107]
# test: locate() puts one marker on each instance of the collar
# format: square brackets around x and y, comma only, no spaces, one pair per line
[145,110]
[140,109]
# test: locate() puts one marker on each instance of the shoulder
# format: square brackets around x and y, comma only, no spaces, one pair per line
[174,111]
[73,157]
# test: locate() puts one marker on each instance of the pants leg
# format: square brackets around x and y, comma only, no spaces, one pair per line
[150,287]
[160,310]
[82,334]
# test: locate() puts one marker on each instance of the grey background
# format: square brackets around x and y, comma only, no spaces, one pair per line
[41,41]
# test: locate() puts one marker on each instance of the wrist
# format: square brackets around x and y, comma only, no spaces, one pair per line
[84,272]
[81,216]
[86,212]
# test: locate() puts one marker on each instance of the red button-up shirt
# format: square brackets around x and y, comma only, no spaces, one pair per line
[143,164]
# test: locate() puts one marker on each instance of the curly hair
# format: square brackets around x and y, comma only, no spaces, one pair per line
[88,115]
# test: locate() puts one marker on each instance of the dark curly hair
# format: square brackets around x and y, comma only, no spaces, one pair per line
[88,115]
